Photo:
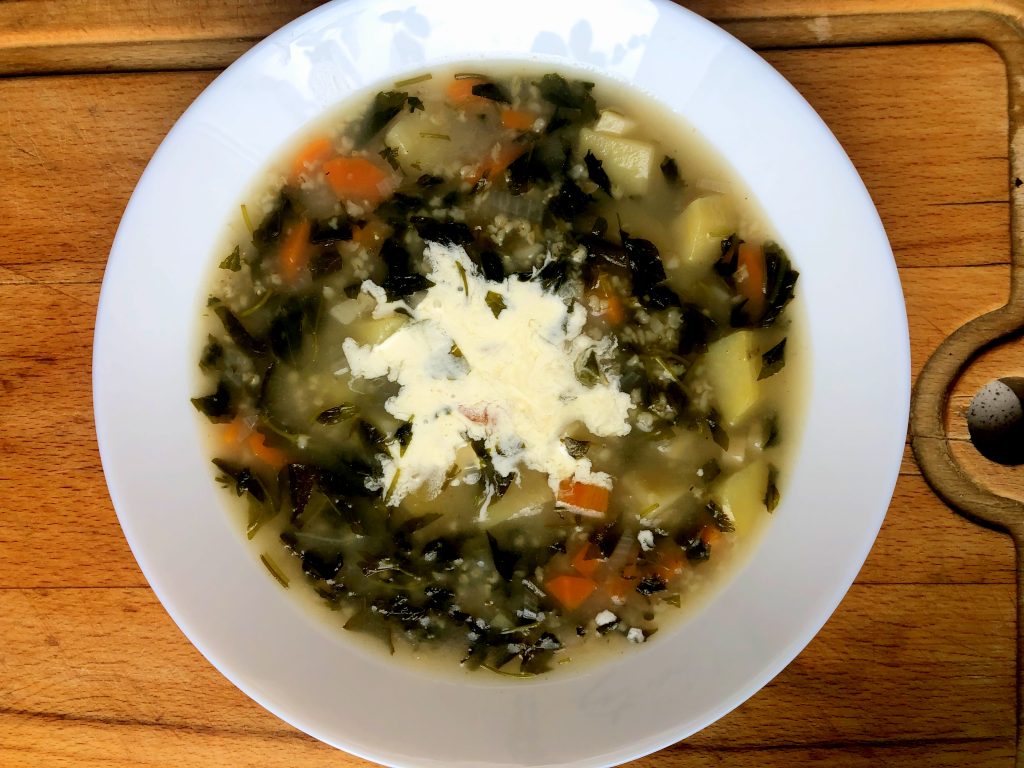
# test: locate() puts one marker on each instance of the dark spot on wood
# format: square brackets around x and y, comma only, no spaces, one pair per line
[51,641]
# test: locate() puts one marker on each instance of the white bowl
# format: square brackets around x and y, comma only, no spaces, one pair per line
[212,583]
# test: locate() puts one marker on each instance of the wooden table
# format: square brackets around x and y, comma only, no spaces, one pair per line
[916,667]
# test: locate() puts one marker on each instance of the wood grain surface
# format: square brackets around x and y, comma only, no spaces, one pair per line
[915,668]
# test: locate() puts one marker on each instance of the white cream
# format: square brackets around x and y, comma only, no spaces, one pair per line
[514,386]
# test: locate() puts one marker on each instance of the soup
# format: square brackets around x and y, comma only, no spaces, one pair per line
[500,368]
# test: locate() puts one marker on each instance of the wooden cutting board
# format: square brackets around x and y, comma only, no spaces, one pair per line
[916,668]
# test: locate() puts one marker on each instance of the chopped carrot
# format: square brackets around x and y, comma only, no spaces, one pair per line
[614,313]
[311,156]
[235,432]
[272,457]
[293,254]
[751,283]
[583,496]
[669,562]
[358,179]
[499,158]
[369,234]
[517,119]
[460,91]
[611,306]
[620,585]
[587,559]
[710,535]
[571,591]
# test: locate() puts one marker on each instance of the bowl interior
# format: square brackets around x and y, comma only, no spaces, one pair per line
[270,647]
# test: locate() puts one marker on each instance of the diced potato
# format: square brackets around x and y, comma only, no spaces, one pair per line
[731,366]
[429,142]
[532,492]
[415,139]
[613,123]
[374,331]
[741,494]
[627,162]
[700,228]
[663,498]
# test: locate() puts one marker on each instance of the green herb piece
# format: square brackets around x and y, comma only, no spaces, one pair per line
[505,560]
[596,172]
[570,202]
[649,585]
[773,360]
[710,471]
[508,672]
[780,282]
[494,483]
[491,92]
[403,436]
[721,520]
[576,448]
[415,103]
[392,485]
[588,370]
[386,105]
[713,422]
[574,95]
[238,333]
[246,482]
[432,135]
[370,623]
[462,274]
[301,479]
[217,406]
[257,306]
[390,155]
[455,351]
[495,302]
[772,430]
[645,267]
[468,76]
[697,551]
[771,494]
[426,181]
[233,260]
[413,80]
[670,170]
[213,355]
[337,414]
[275,571]
[247,220]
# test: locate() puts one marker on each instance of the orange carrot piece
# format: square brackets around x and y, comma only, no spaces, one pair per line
[310,156]
[293,254]
[517,119]
[272,457]
[710,535]
[669,563]
[584,496]
[750,264]
[571,591]
[497,160]
[586,560]
[460,91]
[234,432]
[358,179]
[614,313]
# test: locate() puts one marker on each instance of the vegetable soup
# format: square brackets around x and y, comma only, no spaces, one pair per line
[503,368]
